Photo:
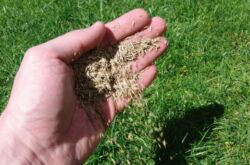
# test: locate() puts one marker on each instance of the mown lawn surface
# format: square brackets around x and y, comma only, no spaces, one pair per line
[198,109]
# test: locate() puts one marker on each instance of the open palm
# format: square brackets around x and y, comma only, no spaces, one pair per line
[43,110]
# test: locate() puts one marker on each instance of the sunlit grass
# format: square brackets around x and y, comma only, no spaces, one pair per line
[196,112]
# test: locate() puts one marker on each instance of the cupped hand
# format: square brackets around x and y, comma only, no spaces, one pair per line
[42,123]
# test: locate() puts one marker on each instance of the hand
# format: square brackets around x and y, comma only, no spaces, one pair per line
[42,123]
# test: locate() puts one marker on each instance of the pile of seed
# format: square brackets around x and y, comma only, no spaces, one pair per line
[106,72]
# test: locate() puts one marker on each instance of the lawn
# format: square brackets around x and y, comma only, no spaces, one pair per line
[198,109]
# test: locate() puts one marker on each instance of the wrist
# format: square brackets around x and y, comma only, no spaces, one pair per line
[19,146]
[12,148]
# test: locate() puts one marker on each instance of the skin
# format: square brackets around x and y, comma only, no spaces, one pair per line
[42,123]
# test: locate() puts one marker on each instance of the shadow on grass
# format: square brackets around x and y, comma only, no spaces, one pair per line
[180,133]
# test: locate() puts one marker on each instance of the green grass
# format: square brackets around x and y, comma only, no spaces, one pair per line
[198,109]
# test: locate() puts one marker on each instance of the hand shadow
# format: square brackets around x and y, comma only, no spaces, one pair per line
[179,133]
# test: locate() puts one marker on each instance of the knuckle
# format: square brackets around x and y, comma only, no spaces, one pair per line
[30,51]
[37,52]
[30,54]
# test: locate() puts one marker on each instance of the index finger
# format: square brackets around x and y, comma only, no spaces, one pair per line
[126,25]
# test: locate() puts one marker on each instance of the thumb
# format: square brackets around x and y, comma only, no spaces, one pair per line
[71,45]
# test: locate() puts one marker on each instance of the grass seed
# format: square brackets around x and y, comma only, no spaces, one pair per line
[106,72]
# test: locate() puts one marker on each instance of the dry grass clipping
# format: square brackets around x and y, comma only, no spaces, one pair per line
[106,72]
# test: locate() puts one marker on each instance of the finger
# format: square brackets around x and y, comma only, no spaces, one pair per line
[111,107]
[126,25]
[157,27]
[146,60]
[71,45]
